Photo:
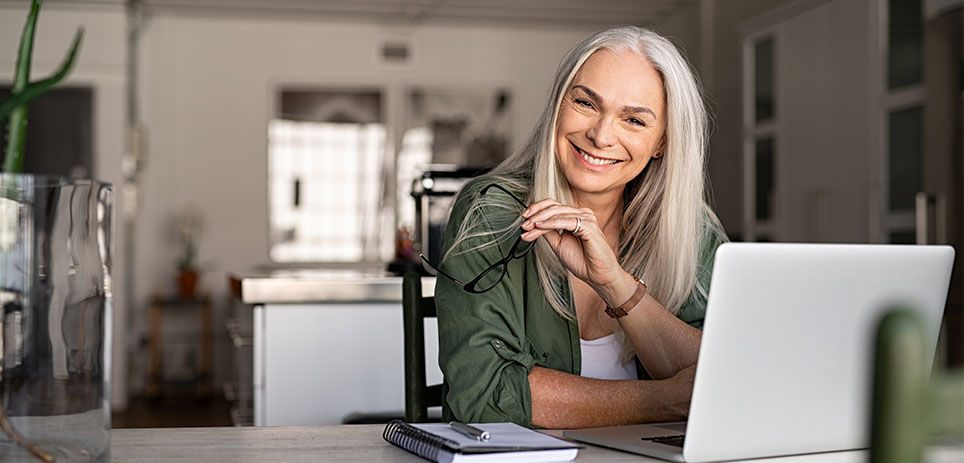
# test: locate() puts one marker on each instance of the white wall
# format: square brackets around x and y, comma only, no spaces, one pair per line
[208,88]
[101,66]
[206,91]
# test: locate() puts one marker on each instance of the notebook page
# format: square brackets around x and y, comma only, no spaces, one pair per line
[504,436]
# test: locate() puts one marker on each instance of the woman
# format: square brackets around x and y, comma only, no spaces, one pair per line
[600,323]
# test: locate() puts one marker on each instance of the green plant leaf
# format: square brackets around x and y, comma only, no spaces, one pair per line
[35,89]
[17,126]
[32,91]
[22,72]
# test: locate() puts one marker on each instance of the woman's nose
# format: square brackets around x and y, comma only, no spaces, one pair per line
[601,133]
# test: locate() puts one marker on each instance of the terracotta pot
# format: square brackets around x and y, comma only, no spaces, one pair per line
[187,284]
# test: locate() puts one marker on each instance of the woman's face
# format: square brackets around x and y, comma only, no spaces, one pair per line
[611,122]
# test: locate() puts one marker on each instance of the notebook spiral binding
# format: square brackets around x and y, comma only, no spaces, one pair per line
[415,440]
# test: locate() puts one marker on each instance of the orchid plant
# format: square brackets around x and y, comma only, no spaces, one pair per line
[189,226]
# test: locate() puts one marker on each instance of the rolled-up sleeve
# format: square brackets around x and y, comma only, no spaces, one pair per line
[694,309]
[483,350]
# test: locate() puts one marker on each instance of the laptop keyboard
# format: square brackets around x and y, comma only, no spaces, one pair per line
[676,441]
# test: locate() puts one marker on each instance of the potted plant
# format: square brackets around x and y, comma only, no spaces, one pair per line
[189,226]
[55,291]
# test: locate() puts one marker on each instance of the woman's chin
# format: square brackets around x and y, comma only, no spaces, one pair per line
[589,187]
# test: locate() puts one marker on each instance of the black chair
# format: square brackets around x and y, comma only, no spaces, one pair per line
[415,309]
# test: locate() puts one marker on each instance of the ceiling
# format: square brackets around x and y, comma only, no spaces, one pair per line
[548,13]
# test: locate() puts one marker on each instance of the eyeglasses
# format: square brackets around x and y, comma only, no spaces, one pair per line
[492,275]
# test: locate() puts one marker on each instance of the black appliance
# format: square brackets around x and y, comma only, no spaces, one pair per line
[434,192]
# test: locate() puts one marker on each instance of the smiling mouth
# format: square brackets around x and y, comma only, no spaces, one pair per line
[593,159]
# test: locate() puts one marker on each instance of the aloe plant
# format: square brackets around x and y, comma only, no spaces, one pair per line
[15,107]
[24,91]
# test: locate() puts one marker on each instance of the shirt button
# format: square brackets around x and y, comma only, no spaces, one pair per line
[497,343]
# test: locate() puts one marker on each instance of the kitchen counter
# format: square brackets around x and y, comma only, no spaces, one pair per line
[306,286]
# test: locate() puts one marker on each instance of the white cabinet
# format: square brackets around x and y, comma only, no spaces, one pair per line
[316,362]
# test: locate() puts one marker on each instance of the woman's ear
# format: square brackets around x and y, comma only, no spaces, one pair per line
[660,148]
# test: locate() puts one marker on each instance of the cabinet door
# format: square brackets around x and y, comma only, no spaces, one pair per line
[324,361]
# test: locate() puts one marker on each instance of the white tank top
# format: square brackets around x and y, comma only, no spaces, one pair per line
[601,359]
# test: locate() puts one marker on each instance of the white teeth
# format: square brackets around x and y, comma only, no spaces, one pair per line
[596,161]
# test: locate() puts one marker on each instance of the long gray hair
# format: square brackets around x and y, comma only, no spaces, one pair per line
[664,208]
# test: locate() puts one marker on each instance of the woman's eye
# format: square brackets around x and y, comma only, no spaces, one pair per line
[584,103]
[634,121]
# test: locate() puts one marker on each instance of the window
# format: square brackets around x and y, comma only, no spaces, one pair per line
[332,199]
[905,135]
[760,138]
[763,81]
[765,173]
[453,126]
[903,112]
[905,52]
[326,153]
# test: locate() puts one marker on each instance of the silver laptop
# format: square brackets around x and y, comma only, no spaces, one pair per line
[785,364]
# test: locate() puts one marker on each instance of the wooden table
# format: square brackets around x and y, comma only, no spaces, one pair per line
[346,443]
[203,369]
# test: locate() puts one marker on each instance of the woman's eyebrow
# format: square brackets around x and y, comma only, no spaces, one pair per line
[588,91]
[626,109]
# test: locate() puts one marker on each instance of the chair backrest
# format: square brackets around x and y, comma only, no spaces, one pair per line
[415,309]
[909,404]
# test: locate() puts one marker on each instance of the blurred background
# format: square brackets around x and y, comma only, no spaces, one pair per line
[299,141]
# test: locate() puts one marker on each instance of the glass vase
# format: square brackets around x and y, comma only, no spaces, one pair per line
[55,292]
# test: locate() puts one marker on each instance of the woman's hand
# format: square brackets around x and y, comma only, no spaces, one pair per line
[576,237]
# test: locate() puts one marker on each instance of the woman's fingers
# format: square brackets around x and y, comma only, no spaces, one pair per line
[583,250]
[578,224]
[538,206]
[560,217]
[549,215]
[534,234]
[547,208]
[552,238]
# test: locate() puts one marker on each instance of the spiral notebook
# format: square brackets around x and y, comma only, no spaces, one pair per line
[509,442]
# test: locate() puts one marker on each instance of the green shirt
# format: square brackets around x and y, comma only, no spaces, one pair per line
[489,342]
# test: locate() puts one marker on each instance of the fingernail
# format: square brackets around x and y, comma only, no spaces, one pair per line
[526,223]
[525,213]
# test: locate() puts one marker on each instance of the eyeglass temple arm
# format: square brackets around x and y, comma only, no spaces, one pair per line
[428,264]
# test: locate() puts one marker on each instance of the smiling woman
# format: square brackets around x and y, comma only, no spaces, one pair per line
[607,132]
[601,323]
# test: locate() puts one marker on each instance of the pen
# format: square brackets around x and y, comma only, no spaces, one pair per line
[470,431]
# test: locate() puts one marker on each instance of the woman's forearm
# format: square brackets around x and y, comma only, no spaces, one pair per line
[664,343]
[563,400]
